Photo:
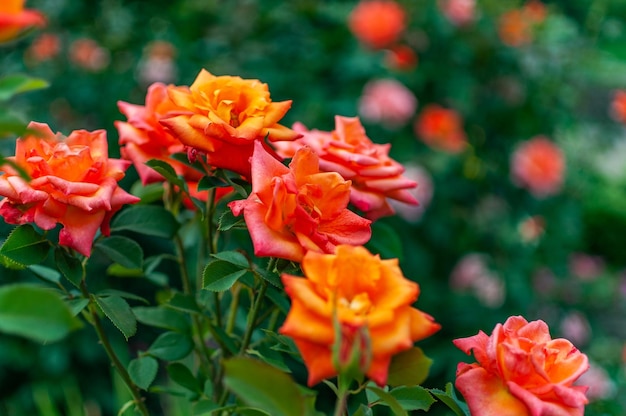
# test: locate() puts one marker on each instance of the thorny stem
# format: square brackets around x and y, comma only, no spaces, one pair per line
[104,340]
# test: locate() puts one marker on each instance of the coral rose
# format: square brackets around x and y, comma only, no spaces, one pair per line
[441,128]
[520,371]
[348,151]
[296,209]
[458,12]
[618,106]
[377,23]
[73,182]
[14,19]
[223,116]
[361,293]
[538,165]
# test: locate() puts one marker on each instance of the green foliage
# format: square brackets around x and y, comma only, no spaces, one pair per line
[146,219]
[35,312]
[143,371]
[25,246]
[409,368]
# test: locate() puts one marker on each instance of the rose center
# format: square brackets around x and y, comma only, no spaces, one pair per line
[359,304]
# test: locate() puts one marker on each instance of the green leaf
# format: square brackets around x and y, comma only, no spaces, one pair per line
[413,398]
[409,368]
[183,302]
[76,305]
[363,410]
[388,400]
[121,294]
[117,270]
[122,250]
[146,219]
[69,266]
[119,313]
[171,346]
[263,386]
[35,313]
[25,246]
[142,371]
[210,182]
[14,84]
[449,398]
[162,317]
[168,172]
[278,298]
[385,241]
[181,375]
[270,356]
[149,193]
[269,276]
[46,273]
[220,275]
[228,220]
[234,257]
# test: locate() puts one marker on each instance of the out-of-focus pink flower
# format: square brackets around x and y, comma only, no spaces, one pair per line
[441,129]
[532,228]
[521,371]
[14,19]
[585,266]
[44,47]
[157,64]
[347,150]
[575,327]
[544,281]
[538,165]
[618,106]
[88,54]
[471,274]
[401,57]
[423,193]
[458,12]
[73,183]
[377,23]
[601,387]
[388,102]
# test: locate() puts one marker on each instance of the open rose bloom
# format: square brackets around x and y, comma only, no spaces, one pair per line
[293,210]
[347,150]
[223,116]
[539,166]
[522,371]
[73,183]
[14,19]
[362,294]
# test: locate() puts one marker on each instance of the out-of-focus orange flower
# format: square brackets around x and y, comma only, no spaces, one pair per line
[458,12]
[73,182]
[293,210]
[377,23]
[89,55]
[388,102]
[14,19]
[618,106]
[516,26]
[44,48]
[401,57]
[521,371]
[538,165]
[441,129]
[347,150]
[223,116]
[143,138]
[363,295]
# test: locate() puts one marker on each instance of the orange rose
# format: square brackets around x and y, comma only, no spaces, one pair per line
[522,371]
[14,19]
[366,296]
[222,116]
[73,182]
[377,23]
[538,165]
[515,27]
[296,209]
[347,150]
[441,129]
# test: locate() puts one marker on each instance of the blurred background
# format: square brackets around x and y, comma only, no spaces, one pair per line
[507,113]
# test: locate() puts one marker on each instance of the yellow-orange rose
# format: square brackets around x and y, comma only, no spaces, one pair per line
[73,182]
[222,116]
[14,19]
[360,291]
